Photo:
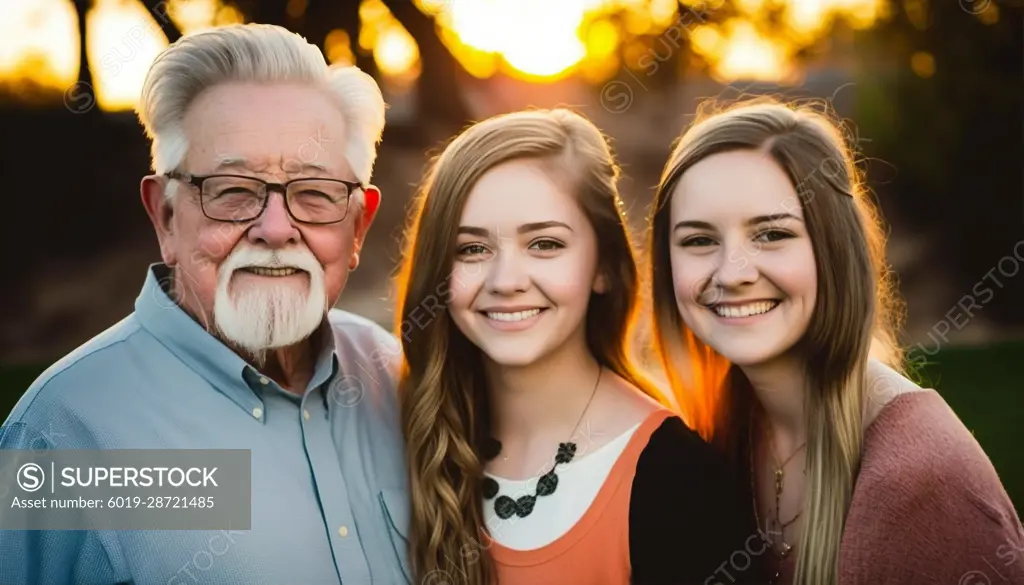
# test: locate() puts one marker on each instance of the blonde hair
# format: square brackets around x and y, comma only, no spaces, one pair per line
[258,53]
[856,314]
[444,400]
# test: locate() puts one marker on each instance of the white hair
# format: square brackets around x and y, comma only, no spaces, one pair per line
[268,316]
[254,53]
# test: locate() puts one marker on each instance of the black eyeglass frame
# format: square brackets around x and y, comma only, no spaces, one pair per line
[198,180]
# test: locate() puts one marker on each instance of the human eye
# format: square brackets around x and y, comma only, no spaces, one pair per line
[546,245]
[696,241]
[230,197]
[314,195]
[472,249]
[772,235]
[232,190]
[329,191]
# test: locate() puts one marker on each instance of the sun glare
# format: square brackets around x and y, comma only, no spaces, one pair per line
[537,40]
[544,40]
[38,45]
[394,50]
[746,54]
[122,39]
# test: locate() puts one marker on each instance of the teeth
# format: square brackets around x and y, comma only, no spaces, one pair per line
[271,271]
[745,310]
[517,316]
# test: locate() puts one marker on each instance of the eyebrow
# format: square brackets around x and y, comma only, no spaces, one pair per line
[523,229]
[750,222]
[227,161]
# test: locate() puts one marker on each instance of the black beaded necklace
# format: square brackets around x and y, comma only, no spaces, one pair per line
[505,506]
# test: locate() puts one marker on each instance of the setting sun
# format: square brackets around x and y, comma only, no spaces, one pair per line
[536,40]
[543,40]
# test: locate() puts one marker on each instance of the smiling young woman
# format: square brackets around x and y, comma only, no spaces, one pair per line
[538,453]
[774,318]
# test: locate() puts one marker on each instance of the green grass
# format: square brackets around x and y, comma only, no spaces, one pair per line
[984,388]
[982,385]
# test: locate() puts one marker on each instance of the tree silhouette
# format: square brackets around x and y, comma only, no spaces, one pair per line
[158,9]
[439,98]
[323,16]
[84,75]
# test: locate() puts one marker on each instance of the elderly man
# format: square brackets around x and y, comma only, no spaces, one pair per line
[260,201]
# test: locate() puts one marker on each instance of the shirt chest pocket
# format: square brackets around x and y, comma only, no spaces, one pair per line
[397,512]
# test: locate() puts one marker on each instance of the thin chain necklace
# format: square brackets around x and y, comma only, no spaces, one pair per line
[505,506]
[778,525]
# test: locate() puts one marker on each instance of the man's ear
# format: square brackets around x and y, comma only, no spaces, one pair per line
[372,200]
[161,214]
[371,203]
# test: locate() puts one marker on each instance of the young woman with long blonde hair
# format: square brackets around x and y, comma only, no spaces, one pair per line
[775,319]
[538,454]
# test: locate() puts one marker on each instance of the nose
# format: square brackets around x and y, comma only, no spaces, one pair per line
[507,275]
[736,267]
[274,228]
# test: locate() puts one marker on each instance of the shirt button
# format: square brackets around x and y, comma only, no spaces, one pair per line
[264,380]
[305,414]
[343,531]
[257,412]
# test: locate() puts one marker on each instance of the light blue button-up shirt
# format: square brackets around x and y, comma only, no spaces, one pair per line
[329,493]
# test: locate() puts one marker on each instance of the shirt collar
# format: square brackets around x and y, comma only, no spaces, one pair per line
[207,355]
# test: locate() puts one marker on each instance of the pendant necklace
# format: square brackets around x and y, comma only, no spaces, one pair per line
[777,525]
[504,506]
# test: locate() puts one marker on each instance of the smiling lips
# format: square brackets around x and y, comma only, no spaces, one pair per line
[740,310]
[512,316]
[517,318]
[263,271]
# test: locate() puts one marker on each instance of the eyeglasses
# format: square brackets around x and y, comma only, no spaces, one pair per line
[239,198]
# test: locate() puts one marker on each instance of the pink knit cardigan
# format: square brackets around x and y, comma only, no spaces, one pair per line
[928,507]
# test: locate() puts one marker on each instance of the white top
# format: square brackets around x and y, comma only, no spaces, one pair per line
[554,515]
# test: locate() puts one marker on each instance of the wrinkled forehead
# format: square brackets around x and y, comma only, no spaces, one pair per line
[276,130]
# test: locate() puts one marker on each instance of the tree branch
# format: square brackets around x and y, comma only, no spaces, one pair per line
[440,96]
[158,9]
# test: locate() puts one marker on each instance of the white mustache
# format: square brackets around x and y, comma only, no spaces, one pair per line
[250,256]
[262,317]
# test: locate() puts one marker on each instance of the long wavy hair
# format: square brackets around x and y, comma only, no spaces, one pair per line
[856,315]
[444,399]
